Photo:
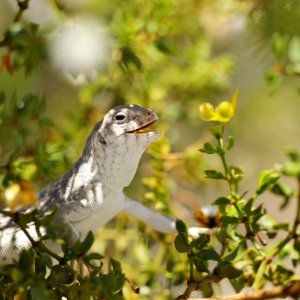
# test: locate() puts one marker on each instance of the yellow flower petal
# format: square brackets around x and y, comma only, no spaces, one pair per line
[224,111]
[234,100]
[207,112]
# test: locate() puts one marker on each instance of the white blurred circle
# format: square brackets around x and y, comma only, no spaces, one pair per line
[80,48]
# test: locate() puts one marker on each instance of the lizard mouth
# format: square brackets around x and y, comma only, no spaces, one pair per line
[143,129]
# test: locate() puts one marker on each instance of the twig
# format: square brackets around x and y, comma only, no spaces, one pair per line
[190,288]
[282,291]
[23,5]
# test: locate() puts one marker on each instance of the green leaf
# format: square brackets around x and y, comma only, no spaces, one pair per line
[229,271]
[248,206]
[283,190]
[294,50]
[208,254]
[46,259]
[181,227]
[115,266]
[279,45]
[214,174]
[61,275]
[236,173]
[266,180]
[200,265]
[111,283]
[181,243]
[26,260]
[87,243]
[129,57]
[238,284]
[228,220]
[231,255]
[293,155]
[39,292]
[221,201]
[165,46]
[230,143]
[200,242]
[216,132]
[223,236]
[93,261]
[208,148]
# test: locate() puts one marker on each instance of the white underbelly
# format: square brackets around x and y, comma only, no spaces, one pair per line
[100,214]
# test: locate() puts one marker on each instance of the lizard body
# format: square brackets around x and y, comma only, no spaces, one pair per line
[91,192]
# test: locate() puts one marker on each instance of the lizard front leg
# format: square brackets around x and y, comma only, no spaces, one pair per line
[158,221]
[151,218]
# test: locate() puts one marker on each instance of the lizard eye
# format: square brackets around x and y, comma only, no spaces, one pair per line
[120,117]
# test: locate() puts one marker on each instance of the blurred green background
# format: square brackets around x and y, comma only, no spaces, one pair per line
[169,56]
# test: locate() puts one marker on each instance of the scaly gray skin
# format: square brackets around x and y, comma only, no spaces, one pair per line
[91,192]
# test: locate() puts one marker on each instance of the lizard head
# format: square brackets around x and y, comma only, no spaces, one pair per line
[130,122]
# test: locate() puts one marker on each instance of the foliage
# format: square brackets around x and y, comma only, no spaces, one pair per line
[277,25]
[163,57]
[36,276]
[240,250]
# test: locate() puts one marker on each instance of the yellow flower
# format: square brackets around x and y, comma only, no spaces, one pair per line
[222,113]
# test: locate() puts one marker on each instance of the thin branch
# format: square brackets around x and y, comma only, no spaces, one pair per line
[23,5]
[282,291]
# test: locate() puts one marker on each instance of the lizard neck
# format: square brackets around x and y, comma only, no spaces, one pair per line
[116,164]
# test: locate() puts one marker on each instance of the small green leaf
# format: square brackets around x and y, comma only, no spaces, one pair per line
[216,132]
[266,180]
[293,155]
[93,261]
[221,201]
[294,50]
[228,220]
[214,174]
[282,190]
[208,254]
[200,265]
[297,245]
[26,260]
[115,266]
[129,57]
[39,292]
[231,255]
[61,275]
[248,206]
[279,45]
[181,243]
[223,236]
[230,143]
[208,149]
[87,242]
[200,242]
[229,271]
[181,227]
[165,46]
